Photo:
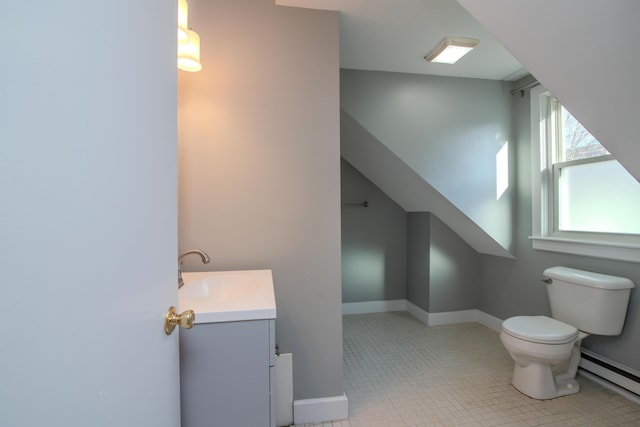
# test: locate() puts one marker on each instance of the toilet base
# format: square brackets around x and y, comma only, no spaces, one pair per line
[570,386]
[537,380]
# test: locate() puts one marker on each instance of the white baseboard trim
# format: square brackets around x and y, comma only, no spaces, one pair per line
[489,321]
[417,312]
[431,319]
[321,410]
[374,306]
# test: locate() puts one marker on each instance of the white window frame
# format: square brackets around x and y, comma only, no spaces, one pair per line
[600,245]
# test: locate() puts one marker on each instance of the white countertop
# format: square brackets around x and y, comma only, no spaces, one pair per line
[228,296]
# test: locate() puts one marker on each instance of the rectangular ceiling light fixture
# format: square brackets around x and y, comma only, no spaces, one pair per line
[451,49]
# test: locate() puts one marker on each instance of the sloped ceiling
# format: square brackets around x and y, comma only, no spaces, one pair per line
[585,52]
[406,187]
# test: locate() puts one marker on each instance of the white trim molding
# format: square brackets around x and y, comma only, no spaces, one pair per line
[607,250]
[544,238]
[418,313]
[489,321]
[430,319]
[321,410]
[444,318]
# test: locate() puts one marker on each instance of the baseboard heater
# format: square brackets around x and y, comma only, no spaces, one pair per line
[620,375]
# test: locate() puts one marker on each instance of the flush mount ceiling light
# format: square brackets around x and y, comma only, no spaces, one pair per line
[451,49]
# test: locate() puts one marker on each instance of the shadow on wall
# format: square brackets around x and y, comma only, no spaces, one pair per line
[374,243]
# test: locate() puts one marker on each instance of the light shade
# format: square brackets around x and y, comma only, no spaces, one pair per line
[451,49]
[183,21]
[189,53]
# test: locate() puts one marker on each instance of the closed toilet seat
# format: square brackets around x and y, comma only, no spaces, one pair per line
[540,329]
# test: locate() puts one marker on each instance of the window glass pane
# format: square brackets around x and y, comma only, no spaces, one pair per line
[598,197]
[577,142]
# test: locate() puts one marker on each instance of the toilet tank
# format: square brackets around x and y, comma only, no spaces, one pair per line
[592,302]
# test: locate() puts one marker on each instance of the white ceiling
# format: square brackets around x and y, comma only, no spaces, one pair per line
[395,35]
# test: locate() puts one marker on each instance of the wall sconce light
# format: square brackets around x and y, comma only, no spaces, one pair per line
[189,53]
[451,49]
[188,41]
[183,21]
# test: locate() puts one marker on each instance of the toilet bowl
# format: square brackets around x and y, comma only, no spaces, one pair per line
[546,355]
[546,350]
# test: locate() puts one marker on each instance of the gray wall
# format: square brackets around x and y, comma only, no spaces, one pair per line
[259,168]
[448,130]
[388,254]
[454,270]
[418,224]
[374,241]
[443,270]
[513,287]
[396,179]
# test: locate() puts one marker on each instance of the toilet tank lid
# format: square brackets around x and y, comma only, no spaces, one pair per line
[540,329]
[588,278]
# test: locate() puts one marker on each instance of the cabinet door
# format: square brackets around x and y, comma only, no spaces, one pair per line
[224,370]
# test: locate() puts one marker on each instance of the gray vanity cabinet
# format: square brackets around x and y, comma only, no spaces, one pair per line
[227,374]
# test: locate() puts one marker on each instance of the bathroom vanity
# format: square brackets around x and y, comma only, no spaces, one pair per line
[227,374]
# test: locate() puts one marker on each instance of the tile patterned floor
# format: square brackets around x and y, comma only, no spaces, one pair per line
[399,372]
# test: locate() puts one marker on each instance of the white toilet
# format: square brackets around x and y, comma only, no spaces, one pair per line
[546,350]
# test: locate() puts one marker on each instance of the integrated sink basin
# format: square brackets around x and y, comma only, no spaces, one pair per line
[228,296]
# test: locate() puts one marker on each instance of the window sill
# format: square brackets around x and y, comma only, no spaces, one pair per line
[597,249]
